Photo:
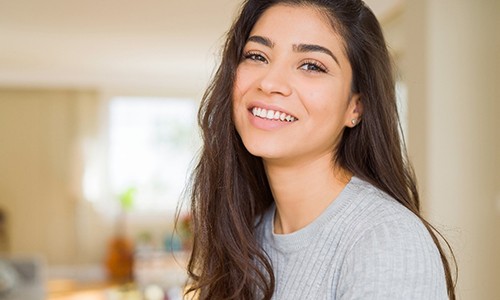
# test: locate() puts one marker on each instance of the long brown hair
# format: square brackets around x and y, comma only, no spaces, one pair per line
[230,191]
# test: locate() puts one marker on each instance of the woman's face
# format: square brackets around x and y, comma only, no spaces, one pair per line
[291,99]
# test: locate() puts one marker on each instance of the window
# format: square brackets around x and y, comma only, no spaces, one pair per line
[152,144]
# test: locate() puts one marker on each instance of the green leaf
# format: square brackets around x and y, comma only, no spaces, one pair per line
[127,198]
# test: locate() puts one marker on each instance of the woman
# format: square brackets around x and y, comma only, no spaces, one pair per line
[302,190]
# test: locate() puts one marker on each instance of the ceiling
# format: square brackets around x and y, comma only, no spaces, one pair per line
[161,45]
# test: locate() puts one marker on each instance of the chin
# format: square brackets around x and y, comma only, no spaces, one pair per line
[263,151]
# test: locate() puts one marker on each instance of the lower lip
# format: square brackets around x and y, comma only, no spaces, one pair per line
[266,124]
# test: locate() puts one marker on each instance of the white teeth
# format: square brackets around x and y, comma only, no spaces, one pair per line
[272,115]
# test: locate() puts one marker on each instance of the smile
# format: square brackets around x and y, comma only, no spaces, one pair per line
[270,114]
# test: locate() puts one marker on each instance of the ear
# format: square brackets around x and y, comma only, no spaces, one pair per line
[354,111]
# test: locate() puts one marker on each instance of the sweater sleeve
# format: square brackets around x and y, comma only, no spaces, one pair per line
[393,260]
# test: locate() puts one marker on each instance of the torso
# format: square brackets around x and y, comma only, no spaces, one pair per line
[364,245]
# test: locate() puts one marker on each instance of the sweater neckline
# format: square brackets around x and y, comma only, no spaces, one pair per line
[303,237]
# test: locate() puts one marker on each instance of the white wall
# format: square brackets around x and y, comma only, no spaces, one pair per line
[451,64]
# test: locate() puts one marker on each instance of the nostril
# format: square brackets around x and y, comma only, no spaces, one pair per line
[275,82]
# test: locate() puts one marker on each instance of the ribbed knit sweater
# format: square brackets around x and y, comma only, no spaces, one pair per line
[365,245]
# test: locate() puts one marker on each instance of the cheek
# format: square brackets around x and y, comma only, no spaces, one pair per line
[237,88]
[243,79]
[241,89]
[323,101]
[237,100]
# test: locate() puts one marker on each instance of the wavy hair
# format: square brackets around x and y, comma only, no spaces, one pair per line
[229,188]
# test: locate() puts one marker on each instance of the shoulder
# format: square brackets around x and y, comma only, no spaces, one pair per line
[391,255]
[372,210]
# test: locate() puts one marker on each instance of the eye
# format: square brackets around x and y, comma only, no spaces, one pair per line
[255,57]
[313,66]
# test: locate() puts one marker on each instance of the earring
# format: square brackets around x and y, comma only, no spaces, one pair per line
[353,121]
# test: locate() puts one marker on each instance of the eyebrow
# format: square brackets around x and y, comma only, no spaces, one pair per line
[261,40]
[302,48]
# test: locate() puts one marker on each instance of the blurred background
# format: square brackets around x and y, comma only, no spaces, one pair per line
[98,103]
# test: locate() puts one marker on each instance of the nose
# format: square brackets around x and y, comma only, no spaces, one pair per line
[275,80]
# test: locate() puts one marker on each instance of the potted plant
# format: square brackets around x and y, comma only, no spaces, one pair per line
[120,254]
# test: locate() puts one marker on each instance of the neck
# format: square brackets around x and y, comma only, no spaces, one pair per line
[303,191]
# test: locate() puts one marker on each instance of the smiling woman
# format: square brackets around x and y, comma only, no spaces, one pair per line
[289,69]
[303,190]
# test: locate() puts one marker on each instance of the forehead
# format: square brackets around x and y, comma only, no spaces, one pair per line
[299,24]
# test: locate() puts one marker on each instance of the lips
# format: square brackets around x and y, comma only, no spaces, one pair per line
[274,115]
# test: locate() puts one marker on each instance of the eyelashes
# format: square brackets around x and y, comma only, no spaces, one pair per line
[314,66]
[254,56]
[307,65]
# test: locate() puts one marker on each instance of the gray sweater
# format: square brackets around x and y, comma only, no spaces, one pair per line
[365,245]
